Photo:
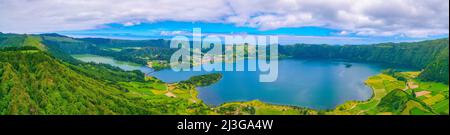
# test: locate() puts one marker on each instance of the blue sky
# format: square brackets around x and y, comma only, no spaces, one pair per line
[169,29]
[294,21]
[154,29]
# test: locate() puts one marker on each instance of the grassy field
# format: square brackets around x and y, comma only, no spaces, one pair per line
[434,101]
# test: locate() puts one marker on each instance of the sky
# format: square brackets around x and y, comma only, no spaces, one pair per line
[294,21]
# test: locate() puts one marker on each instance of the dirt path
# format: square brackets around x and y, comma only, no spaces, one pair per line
[170,94]
[411,85]
[422,93]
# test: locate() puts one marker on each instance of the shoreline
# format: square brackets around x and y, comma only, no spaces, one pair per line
[373,90]
[351,103]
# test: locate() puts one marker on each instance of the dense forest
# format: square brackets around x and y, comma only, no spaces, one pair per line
[203,80]
[437,70]
[415,55]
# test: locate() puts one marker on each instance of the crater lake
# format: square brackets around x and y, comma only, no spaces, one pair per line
[317,84]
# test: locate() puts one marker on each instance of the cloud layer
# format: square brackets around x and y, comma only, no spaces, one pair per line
[411,18]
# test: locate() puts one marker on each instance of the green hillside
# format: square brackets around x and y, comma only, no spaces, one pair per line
[124,50]
[10,40]
[32,82]
[15,40]
[415,54]
[117,43]
[396,96]
[438,69]
[42,79]
[395,101]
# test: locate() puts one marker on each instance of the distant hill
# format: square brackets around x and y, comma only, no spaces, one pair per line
[104,42]
[431,55]
[414,54]
[15,40]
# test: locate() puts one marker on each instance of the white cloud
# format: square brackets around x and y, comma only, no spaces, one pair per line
[413,18]
[175,33]
[30,16]
[132,23]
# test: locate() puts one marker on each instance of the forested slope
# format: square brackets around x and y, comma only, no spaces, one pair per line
[32,82]
[416,54]
[431,55]
[438,69]
[148,49]
[42,79]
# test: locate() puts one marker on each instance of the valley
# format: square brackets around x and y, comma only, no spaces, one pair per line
[40,76]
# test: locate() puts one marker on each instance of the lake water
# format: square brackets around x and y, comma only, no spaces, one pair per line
[305,83]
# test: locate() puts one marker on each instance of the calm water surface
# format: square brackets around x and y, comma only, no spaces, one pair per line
[305,83]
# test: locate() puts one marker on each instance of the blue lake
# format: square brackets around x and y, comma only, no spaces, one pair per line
[315,84]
